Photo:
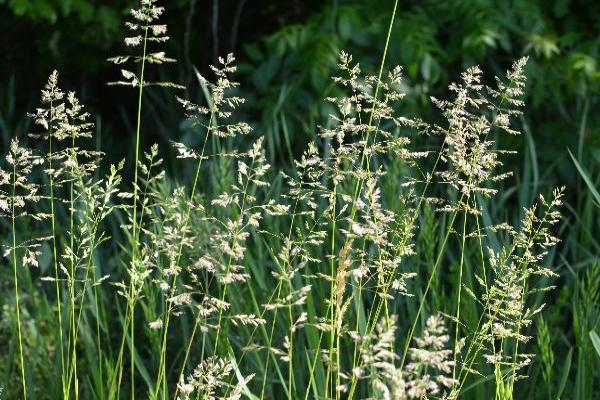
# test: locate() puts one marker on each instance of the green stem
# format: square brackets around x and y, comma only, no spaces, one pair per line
[66,391]
[14,251]
[238,230]
[163,360]
[332,290]
[269,343]
[131,301]
[72,268]
[458,297]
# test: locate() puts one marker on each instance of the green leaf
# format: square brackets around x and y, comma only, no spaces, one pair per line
[595,341]
[253,52]
[586,178]
[483,379]
[240,377]
[345,26]
[565,373]
[140,365]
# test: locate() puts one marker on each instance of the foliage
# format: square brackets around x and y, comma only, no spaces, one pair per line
[434,40]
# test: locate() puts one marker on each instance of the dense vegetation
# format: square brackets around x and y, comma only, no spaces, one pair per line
[333,227]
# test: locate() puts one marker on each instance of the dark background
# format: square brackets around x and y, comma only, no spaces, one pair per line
[287,51]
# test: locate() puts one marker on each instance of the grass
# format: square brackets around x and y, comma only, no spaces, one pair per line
[396,258]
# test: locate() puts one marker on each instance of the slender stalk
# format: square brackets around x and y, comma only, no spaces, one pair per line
[332,289]
[129,322]
[270,341]
[163,352]
[137,136]
[14,253]
[66,391]
[290,352]
[72,268]
[118,374]
[98,342]
[238,230]
[71,237]
[312,368]
[458,296]
[135,190]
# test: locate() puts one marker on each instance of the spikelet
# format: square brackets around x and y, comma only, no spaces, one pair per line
[514,268]
[17,192]
[220,106]
[229,241]
[64,125]
[209,379]
[430,362]
[146,32]
[472,115]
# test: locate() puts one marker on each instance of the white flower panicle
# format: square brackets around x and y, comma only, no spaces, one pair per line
[221,103]
[468,149]
[429,371]
[209,380]
[145,32]
[339,239]
[17,193]
[64,125]
[515,268]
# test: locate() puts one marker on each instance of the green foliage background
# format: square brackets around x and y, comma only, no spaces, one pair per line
[288,53]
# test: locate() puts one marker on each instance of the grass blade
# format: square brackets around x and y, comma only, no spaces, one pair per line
[586,178]
[565,373]
[595,341]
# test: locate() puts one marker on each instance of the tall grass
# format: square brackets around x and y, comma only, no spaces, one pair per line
[373,267]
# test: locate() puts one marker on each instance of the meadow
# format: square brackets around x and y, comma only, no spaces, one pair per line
[365,251]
